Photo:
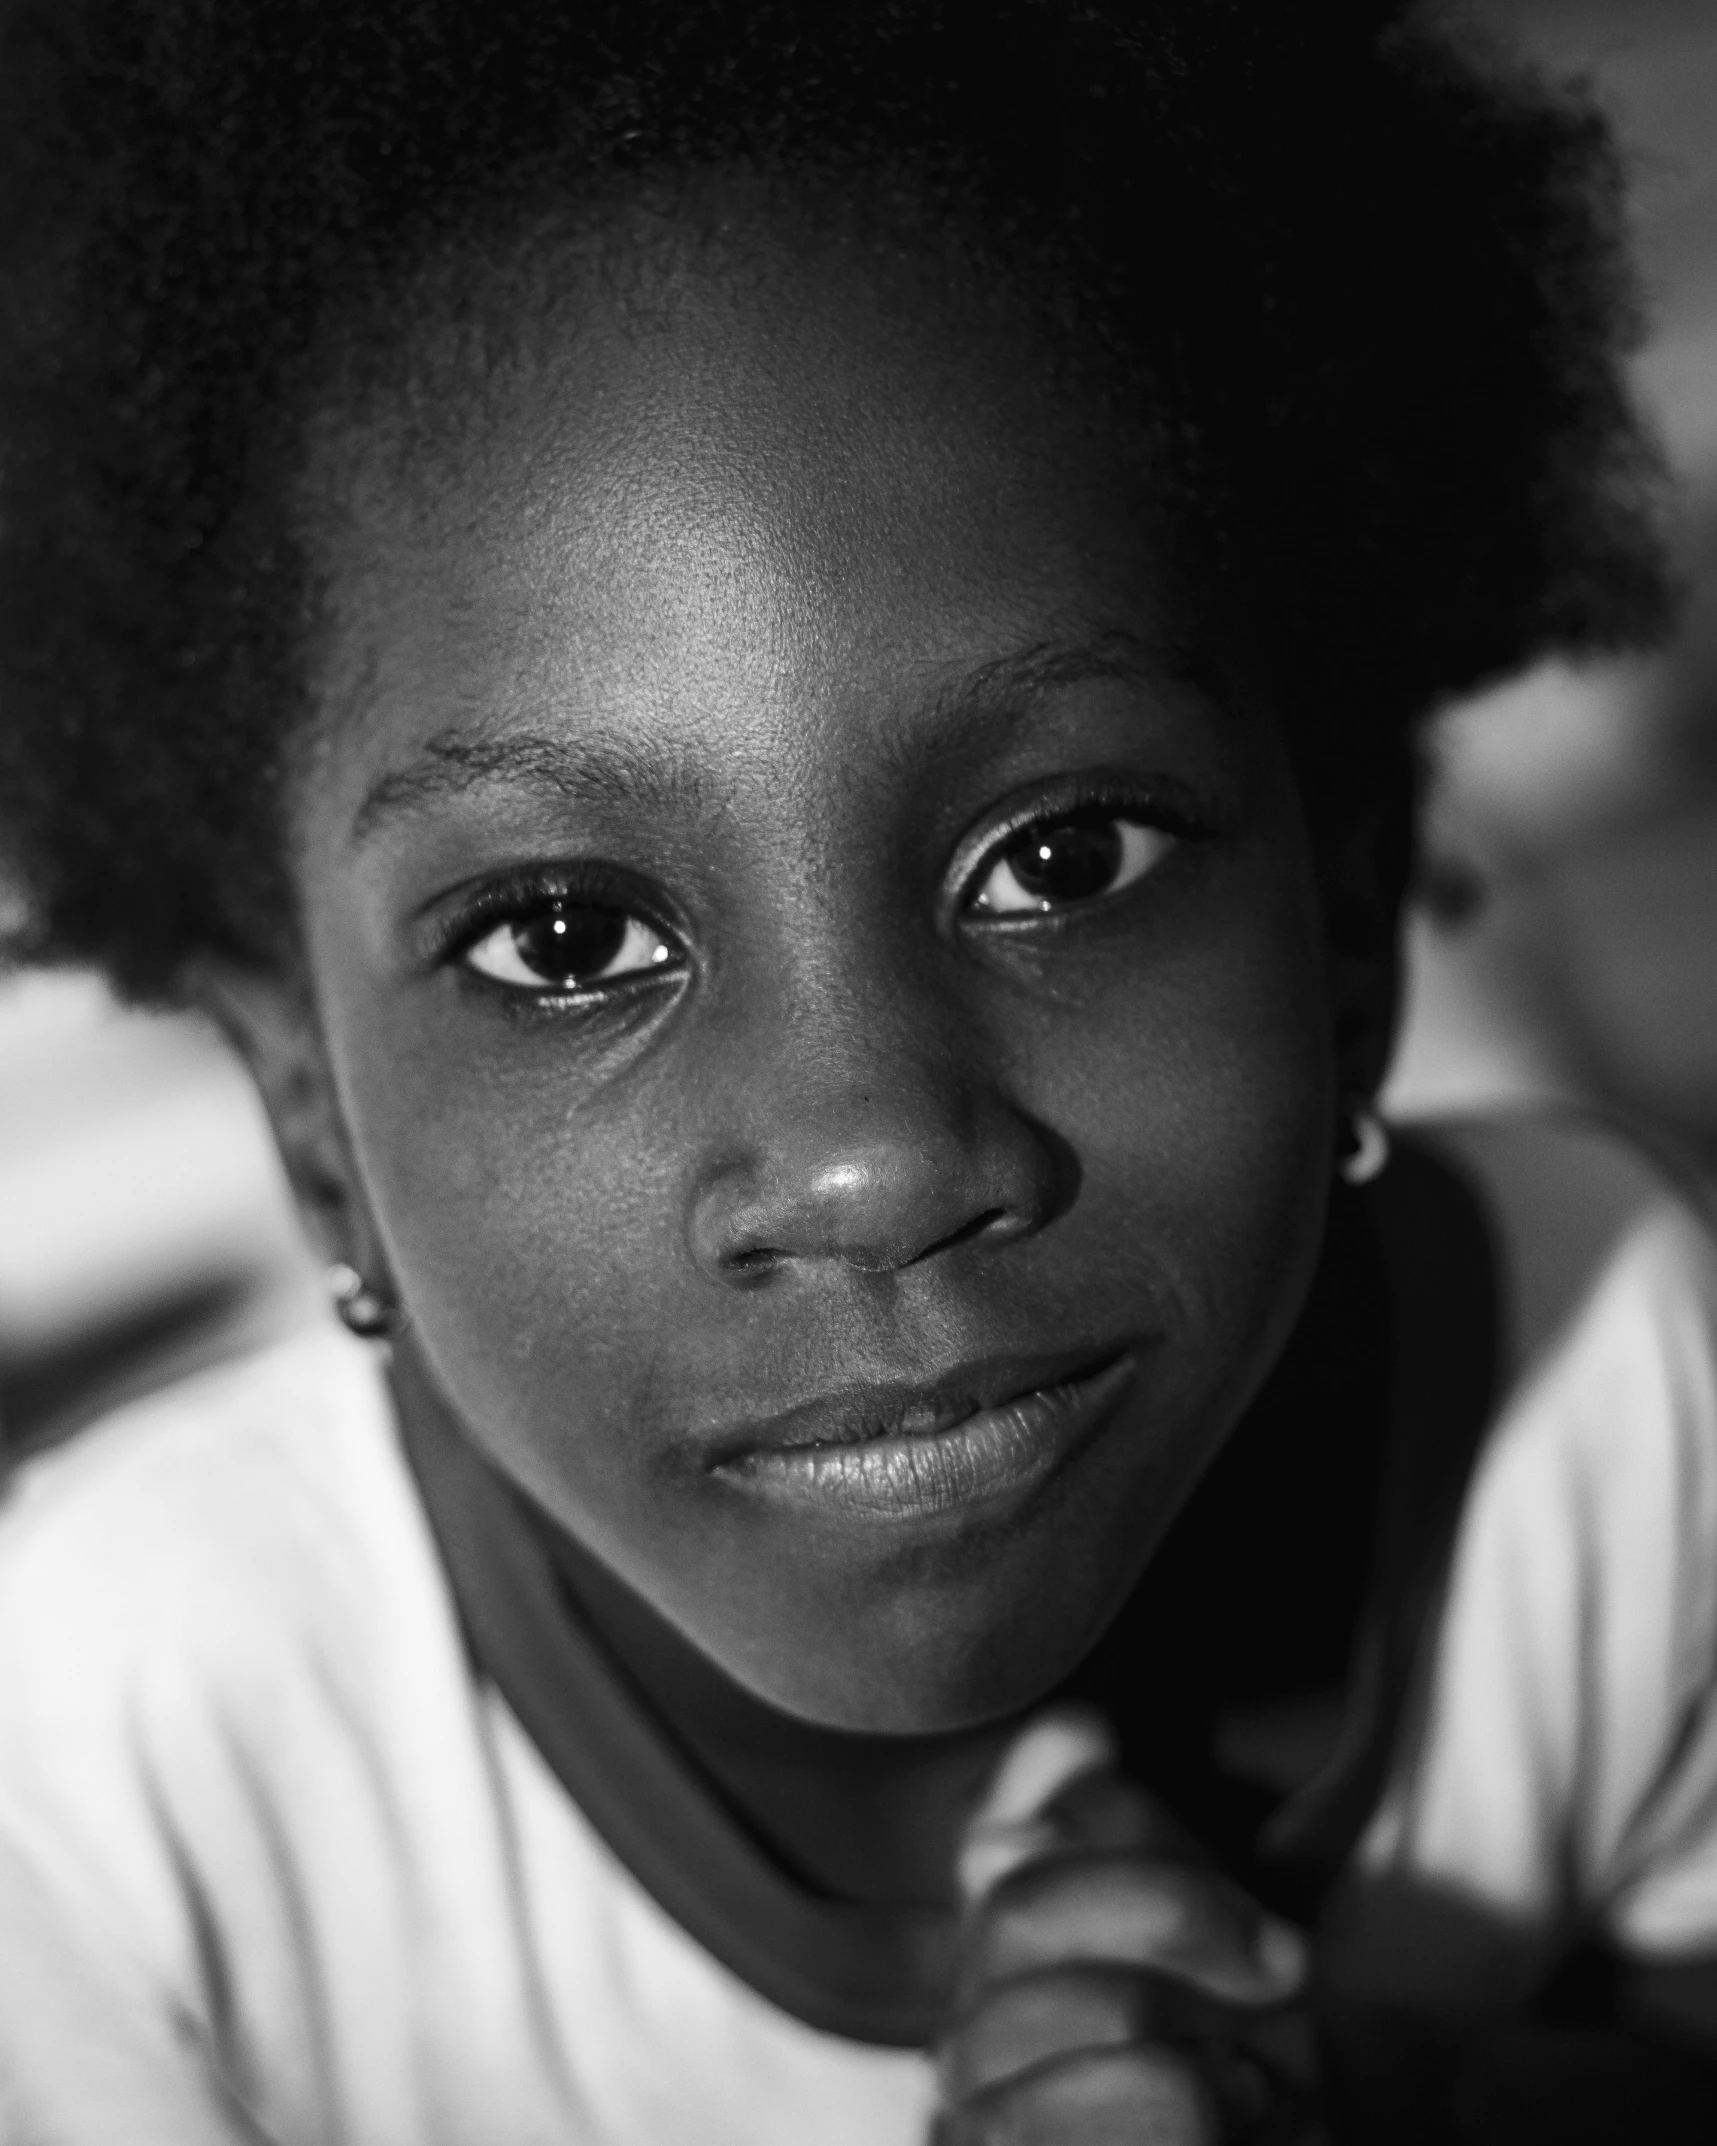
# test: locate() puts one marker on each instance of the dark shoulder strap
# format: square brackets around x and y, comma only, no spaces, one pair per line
[1446,1318]
[1562,1189]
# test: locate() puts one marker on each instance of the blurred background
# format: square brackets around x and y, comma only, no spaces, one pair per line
[1564,946]
[1566,942]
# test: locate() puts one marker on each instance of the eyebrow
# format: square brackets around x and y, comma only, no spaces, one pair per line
[1029,672]
[601,772]
[613,773]
[967,710]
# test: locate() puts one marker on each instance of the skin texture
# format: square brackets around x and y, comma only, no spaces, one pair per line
[777,611]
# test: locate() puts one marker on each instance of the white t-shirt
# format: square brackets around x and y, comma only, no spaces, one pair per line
[274,1865]
[1562,1771]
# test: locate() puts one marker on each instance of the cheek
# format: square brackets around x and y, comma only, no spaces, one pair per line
[1197,1083]
[1199,1095]
[532,1237]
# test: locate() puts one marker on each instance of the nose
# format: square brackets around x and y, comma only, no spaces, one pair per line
[874,1159]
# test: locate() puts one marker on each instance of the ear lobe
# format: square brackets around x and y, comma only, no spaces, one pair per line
[270,1022]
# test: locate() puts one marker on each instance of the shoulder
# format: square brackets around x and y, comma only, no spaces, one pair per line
[1605,1445]
[218,1489]
[1602,1448]
[1573,1206]
[194,1566]
[208,1578]
[1578,1635]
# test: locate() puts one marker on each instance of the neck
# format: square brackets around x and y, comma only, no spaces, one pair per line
[861,1818]
[870,1821]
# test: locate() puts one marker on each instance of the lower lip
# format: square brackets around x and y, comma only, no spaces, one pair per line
[987,1455]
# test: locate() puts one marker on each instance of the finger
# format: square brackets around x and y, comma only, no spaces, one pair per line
[1106,1810]
[1010,1825]
[1033,2018]
[1110,2097]
[1255,2068]
[1054,1748]
[1098,1809]
[1098,1906]
[1019,2024]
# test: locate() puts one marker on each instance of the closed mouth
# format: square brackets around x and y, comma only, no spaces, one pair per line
[895,1452]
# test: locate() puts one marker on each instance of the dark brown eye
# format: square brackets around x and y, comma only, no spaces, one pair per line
[1076,857]
[567,946]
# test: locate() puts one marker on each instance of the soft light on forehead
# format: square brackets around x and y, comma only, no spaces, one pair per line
[657,774]
[717,525]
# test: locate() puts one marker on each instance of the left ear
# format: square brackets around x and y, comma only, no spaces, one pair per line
[1364,868]
[270,1020]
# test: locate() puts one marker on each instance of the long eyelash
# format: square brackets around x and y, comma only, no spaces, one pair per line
[506,898]
[1176,815]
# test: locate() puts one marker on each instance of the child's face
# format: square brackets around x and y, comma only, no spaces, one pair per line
[766,627]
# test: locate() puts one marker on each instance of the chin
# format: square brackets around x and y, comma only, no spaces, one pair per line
[949,1667]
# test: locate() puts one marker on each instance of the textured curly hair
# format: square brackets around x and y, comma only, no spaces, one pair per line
[1368,278]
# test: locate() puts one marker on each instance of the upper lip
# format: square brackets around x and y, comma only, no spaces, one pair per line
[905,1408]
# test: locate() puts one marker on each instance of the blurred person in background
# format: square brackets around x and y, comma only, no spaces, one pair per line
[1566,945]
[637,1686]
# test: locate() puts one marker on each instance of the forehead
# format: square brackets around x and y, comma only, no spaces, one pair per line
[763,506]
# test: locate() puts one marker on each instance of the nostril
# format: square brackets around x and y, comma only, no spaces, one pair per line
[876,1199]
[756,1262]
[987,1224]
[890,1258]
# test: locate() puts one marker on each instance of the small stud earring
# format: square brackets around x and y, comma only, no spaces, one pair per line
[1364,1152]
[362,1310]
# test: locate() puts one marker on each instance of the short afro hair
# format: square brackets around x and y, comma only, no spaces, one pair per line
[1368,274]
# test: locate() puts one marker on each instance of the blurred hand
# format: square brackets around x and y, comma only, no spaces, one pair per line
[1113,1988]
